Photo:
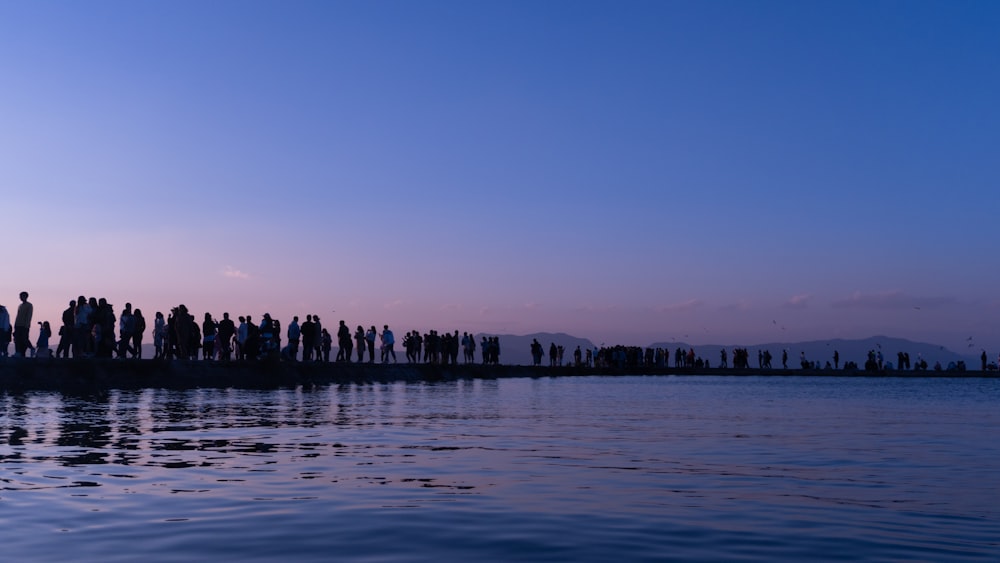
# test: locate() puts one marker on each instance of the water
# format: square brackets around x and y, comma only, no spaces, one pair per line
[567,469]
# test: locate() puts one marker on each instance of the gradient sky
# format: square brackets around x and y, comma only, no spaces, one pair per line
[629,172]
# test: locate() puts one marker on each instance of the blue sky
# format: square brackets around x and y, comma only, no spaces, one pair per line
[716,172]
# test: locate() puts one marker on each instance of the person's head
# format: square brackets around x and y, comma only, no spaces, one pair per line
[24,296]
[137,313]
[295,319]
[225,316]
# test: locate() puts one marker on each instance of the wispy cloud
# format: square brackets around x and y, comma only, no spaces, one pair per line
[738,306]
[596,308]
[895,299]
[393,304]
[231,272]
[798,301]
[683,306]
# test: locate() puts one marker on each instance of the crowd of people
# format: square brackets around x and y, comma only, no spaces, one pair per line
[91,329]
[623,357]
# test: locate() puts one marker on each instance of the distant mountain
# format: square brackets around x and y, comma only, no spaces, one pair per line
[822,351]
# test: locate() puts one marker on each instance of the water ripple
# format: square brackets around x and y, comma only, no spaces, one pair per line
[581,469]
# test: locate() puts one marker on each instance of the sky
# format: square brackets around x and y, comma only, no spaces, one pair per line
[628,172]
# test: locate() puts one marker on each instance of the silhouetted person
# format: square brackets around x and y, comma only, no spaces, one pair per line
[208,334]
[5,331]
[318,339]
[125,328]
[370,339]
[294,334]
[42,345]
[139,327]
[309,334]
[227,329]
[182,330]
[22,325]
[81,328]
[242,333]
[66,331]
[344,345]
[359,339]
[159,335]
[327,339]
[388,344]
[268,346]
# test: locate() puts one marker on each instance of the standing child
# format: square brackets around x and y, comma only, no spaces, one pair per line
[42,345]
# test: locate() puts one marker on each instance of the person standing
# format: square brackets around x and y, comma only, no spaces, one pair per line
[159,335]
[4,331]
[42,346]
[327,341]
[343,343]
[388,342]
[370,339]
[294,333]
[224,337]
[22,324]
[126,327]
[66,333]
[208,331]
[317,337]
[359,338]
[242,333]
[308,332]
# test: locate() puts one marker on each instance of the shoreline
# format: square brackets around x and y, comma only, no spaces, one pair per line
[51,374]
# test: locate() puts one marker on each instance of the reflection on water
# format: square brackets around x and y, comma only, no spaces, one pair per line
[559,469]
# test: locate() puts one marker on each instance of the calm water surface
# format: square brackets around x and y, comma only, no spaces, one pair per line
[568,469]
